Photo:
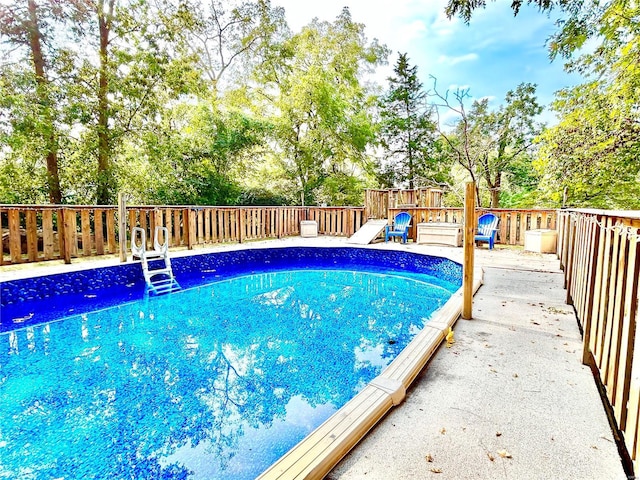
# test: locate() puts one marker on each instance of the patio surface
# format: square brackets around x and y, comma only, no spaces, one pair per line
[509,400]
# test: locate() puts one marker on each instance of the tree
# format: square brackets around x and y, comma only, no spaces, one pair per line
[487,143]
[312,95]
[25,28]
[510,133]
[105,188]
[141,67]
[459,144]
[224,35]
[407,130]
[110,68]
[590,158]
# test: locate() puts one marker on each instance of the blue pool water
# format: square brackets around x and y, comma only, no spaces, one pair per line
[216,381]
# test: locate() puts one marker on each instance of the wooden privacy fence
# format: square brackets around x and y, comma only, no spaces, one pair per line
[599,253]
[378,202]
[513,223]
[32,233]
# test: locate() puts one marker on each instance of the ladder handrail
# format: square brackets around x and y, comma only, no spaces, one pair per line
[160,252]
[164,246]
[138,251]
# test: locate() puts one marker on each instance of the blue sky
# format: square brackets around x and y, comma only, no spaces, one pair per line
[491,56]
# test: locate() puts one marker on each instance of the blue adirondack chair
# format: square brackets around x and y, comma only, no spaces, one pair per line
[400,227]
[487,229]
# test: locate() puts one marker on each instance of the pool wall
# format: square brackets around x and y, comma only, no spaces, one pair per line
[35,300]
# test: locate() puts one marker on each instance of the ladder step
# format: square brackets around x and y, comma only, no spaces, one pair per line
[153,254]
[158,271]
[165,288]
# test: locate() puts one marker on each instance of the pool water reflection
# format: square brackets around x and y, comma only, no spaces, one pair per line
[217,381]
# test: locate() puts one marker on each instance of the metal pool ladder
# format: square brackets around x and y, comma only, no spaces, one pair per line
[160,280]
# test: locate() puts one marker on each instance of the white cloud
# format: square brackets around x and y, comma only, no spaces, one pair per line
[412,31]
[441,25]
[467,57]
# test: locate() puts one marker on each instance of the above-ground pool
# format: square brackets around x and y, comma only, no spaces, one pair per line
[99,380]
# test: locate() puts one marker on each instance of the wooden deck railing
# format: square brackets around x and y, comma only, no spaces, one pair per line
[513,223]
[33,233]
[599,253]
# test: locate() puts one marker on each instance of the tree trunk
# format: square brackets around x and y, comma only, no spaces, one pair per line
[104,191]
[495,191]
[495,198]
[409,147]
[35,42]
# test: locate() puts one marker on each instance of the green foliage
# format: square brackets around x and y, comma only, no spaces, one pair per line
[492,144]
[195,164]
[464,8]
[407,131]
[590,159]
[511,130]
[316,103]
[342,189]
[220,103]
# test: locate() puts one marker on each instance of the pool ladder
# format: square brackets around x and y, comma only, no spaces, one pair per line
[159,280]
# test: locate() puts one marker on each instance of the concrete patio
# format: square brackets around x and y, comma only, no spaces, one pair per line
[510,399]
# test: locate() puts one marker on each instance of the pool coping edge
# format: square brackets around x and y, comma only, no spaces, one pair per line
[318,453]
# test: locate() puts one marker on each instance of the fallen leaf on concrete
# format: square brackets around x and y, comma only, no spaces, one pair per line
[443,431]
[491,457]
[515,375]
[428,458]
[436,470]
[498,434]
[504,454]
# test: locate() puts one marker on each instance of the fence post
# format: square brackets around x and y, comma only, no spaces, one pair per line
[467,268]
[569,268]
[191,228]
[122,227]
[65,248]
[241,223]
